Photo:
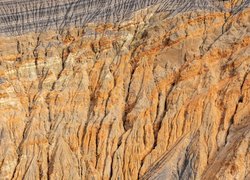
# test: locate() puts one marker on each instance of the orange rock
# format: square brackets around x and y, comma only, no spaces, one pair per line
[160,97]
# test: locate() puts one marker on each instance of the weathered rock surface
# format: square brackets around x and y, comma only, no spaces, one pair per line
[151,97]
[20,16]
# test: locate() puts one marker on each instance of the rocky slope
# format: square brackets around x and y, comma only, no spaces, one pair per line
[162,94]
[20,16]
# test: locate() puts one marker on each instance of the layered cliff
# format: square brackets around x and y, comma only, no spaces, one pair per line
[162,93]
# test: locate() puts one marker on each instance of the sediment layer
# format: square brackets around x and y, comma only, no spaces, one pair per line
[152,97]
[18,17]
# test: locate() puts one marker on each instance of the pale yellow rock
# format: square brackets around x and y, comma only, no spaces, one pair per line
[160,98]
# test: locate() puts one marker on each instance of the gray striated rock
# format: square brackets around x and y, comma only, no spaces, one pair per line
[20,16]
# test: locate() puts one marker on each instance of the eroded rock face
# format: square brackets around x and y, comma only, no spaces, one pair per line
[21,16]
[154,97]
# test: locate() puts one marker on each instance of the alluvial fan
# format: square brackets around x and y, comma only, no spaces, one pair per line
[125,89]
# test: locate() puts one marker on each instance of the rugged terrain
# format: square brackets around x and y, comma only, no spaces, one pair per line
[162,93]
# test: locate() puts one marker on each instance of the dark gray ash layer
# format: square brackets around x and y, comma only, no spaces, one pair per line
[21,16]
